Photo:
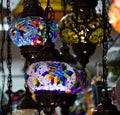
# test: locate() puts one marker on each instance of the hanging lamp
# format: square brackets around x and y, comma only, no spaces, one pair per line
[82,29]
[52,83]
[30,28]
[29,31]
[83,24]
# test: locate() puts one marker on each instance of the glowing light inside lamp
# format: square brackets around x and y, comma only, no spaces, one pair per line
[31,31]
[50,76]
[114,16]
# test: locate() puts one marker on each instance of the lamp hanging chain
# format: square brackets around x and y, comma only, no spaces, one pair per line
[105,49]
[64,6]
[9,58]
[105,46]
[49,17]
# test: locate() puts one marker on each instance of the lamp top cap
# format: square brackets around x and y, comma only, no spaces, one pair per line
[32,8]
[83,3]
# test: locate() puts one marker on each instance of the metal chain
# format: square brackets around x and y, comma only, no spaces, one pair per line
[49,17]
[8,12]
[64,6]
[49,13]
[105,45]
[104,60]
[9,58]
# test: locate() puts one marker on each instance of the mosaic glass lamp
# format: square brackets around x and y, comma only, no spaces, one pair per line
[29,32]
[55,84]
[83,24]
[83,29]
[52,82]
[113,15]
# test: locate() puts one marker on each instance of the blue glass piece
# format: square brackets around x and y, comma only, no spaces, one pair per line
[69,73]
[26,76]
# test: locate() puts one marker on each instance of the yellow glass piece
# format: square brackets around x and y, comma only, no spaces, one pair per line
[33,96]
[68,91]
[97,36]
[35,82]
[69,36]
[38,41]
[47,76]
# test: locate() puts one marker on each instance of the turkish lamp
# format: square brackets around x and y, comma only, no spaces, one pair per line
[74,29]
[52,83]
[83,29]
[29,32]
[83,24]
[113,15]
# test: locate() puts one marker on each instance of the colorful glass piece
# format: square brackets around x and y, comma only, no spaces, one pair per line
[31,31]
[50,76]
[114,10]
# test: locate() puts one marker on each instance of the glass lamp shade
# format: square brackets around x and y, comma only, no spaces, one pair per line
[50,76]
[114,10]
[31,31]
[75,29]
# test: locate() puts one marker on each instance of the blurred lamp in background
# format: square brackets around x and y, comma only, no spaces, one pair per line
[114,10]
